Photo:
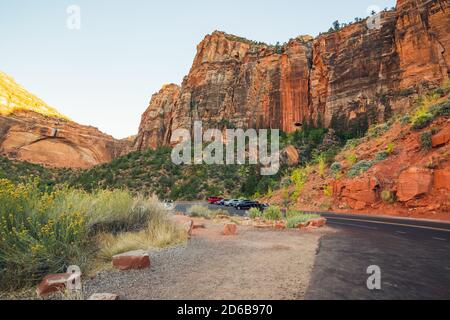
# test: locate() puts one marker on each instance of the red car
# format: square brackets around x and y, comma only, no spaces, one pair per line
[213,200]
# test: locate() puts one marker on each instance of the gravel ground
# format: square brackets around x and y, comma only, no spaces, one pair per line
[255,264]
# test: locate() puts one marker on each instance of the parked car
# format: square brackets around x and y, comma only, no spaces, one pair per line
[169,205]
[221,202]
[213,200]
[231,203]
[247,204]
[235,203]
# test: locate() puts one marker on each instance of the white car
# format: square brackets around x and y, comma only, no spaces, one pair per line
[169,205]
[226,203]
[232,202]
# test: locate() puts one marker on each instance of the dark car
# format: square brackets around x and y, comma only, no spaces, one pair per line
[213,200]
[247,204]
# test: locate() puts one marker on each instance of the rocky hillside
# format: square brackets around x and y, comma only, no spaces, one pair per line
[401,167]
[347,79]
[32,131]
[147,173]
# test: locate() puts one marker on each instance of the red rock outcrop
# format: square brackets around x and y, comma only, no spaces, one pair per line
[414,182]
[442,179]
[358,193]
[156,123]
[441,137]
[29,136]
[317,223]
[290,156]
[138,259]
[229,229]
[346,80]
[52,283]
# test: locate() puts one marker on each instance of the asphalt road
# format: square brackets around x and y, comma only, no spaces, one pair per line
[413,257]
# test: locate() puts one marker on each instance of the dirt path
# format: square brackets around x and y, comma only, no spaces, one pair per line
[255,264]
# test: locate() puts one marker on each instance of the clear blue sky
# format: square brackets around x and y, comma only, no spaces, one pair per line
[104,74]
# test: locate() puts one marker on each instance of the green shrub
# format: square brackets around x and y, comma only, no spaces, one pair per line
[294,218]
[322,165]
[299,177]
[255,213]
[336,168]
[378,130]
[352,158]
[390,148]
[359,168]
[382,155]
[441,109]
[293,213]
[272,213]
[404,120]
[328,191]
[446,86]
[199,211]
[217,213]
[36,238]
[387,196]
[425,140]
[352,143]
[421,119]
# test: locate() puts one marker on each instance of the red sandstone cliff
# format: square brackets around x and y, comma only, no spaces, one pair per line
[30,130]
[32,137]
[346,80]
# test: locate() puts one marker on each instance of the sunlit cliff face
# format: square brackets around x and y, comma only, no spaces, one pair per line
[13,98]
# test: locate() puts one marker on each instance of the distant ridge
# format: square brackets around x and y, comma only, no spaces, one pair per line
[13,98]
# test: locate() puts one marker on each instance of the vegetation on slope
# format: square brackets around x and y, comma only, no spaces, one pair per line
[153,172]
[310,184]
[13,97]
[21,171]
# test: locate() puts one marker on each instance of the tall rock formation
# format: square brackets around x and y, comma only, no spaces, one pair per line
[32,131]
[346,80]
[156,124]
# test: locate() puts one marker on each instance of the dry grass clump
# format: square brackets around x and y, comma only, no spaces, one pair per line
[159,232]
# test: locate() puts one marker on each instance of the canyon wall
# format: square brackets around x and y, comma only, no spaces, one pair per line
[32,137]
[346,80]
[31,130]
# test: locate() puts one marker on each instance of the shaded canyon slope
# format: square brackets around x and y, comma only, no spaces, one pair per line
[346,80]
[32,131]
